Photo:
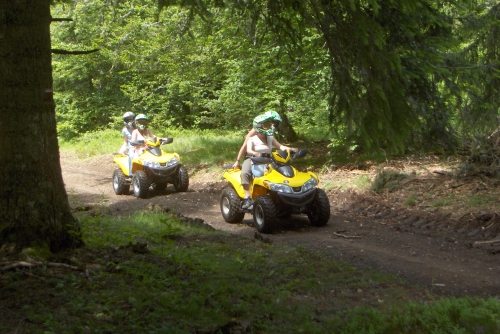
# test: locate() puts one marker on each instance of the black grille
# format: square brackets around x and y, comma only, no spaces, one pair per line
[298,200]
[163,171]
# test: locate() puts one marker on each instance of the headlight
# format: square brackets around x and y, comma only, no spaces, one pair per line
[172,162]
[309,184]
[281,188]
[151,164]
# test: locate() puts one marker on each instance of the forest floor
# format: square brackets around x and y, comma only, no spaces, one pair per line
[434,229]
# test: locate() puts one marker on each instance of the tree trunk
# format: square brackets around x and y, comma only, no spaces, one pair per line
[34,208]
[286,130]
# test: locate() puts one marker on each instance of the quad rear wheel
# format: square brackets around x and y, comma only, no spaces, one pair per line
[120,184]
[230,206]
[181,181]
[264,214]
[319,209]
[141,184]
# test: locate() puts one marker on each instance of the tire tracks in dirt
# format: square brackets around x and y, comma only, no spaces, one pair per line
[431,261]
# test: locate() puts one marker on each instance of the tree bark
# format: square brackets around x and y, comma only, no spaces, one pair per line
[34,208]
[285,128]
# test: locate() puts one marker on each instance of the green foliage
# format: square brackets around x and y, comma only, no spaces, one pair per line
[211,77]
[377,75]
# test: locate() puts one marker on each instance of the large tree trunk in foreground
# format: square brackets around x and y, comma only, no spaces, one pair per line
[34,208]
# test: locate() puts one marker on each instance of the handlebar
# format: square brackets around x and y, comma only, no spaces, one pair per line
[137,143]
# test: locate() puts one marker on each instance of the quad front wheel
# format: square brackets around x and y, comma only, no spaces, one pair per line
[230,206]
[181,181]
[140,183]
[120,184]
[319,209]
[264,214]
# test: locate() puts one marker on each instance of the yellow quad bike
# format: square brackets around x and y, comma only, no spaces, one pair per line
[153,167]
[280,192]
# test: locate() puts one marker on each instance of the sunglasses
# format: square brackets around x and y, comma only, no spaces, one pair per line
[267,125]
[129,120]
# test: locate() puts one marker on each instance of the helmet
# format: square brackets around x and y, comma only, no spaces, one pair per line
[128,118]
[141,121]
[265,123]
[274,114]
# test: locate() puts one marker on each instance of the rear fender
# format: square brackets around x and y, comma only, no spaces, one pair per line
[123,163]
[234,177]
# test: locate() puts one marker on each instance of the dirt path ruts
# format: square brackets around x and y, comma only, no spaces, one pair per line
[435,261]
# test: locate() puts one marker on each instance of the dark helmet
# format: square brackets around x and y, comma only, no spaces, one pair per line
[128,118]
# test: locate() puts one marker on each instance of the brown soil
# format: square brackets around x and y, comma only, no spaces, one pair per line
[428,230]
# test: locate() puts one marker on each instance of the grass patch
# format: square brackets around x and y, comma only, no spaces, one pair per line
[209,149]
[191,279]
[441,202]
[387,179]
[198,149]
[93,144]
[482,199]
[446,201]
[195,147]
[411,201]
[362,182]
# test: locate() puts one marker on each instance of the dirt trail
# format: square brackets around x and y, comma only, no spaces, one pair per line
[431,253]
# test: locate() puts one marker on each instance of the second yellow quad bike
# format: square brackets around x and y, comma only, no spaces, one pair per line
[152,168]
[280,192]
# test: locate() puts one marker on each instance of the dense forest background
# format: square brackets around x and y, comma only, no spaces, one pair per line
[377,74]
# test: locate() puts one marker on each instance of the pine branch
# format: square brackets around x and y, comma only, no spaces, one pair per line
[61,19]
[67,52]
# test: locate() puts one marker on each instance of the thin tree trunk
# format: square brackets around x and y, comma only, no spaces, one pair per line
[285,128]
[34,208]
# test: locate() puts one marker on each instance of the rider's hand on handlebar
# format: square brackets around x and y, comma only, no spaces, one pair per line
[236,164]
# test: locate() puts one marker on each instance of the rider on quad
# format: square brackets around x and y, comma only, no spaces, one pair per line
[262,142]
[141,133]
[269,115]
[277,189]
[147,165]
[128,128]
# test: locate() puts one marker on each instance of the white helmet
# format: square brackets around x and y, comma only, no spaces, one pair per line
[141,121]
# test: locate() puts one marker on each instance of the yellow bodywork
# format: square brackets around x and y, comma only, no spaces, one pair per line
[123,161]
[259,187]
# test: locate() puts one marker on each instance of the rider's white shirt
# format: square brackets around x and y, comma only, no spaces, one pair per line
[260,146]
[136,136]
